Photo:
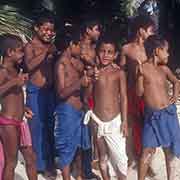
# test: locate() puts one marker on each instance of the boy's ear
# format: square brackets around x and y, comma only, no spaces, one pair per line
[141,31]
[156,51]
[9,52]
[88,30]
[36,28]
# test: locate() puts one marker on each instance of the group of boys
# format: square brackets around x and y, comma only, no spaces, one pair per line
[58,90]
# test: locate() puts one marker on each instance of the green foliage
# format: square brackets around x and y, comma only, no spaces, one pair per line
[11,21]
[126,8]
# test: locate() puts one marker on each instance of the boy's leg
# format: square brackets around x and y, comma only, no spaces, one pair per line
[66,173]
[87,159]
[30,160]
[78,161]
[86,156]
[10,140]
[121,176]
[103,158]
[1,160]
[170,169]
[144,163]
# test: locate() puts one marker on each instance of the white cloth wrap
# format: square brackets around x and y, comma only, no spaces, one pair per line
[116,143]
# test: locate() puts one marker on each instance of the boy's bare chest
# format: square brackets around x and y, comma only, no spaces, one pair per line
[108,78]
[156,76]
[136,54]
[15,90]
[73,69]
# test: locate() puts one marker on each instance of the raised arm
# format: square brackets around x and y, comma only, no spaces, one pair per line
[176,85]
[66,91]
[5,85]
[33,60]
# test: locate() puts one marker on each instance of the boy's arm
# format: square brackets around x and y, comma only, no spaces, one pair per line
[123,102]
[88,92]
[28,113]
[176,85]
[5,86]
[65,92]
[122,61]
[32,61]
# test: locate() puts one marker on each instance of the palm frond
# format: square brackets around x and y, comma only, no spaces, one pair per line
[13,22]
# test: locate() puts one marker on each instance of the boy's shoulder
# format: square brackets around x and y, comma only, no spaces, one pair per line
[3,72]
[164,68]
[29,47]
[62,60]
[3,69]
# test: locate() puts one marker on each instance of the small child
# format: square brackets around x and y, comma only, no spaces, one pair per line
[110,112]
[161,126]
[14,133]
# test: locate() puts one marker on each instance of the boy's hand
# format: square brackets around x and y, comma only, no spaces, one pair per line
[124,129]
[22,79]
[51,51]
[85,80]
[88,55]
[90,71]
[139,67]
[96,73]
[173,99]
[28,113]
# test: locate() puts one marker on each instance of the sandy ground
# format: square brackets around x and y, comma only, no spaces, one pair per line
[158,165]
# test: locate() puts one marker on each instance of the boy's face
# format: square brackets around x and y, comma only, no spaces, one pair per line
[147,32]
[45,32]
[94,32]
[163,54]
[17,54]
[107,54]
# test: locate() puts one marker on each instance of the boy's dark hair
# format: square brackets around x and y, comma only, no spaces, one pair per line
[153,42]
[107,39]
[9,41]
[141,22]
[44,19]
[89,24]
[73,37]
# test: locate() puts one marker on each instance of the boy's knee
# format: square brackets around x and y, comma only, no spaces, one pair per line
[10,164]
[147,155]
[31,159]
[103,162]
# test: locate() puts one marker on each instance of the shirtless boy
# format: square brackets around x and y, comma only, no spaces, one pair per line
[40,93]
[161,126]
[110,111]
[71,134]
[130,54]
[90,33]
[13,132]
